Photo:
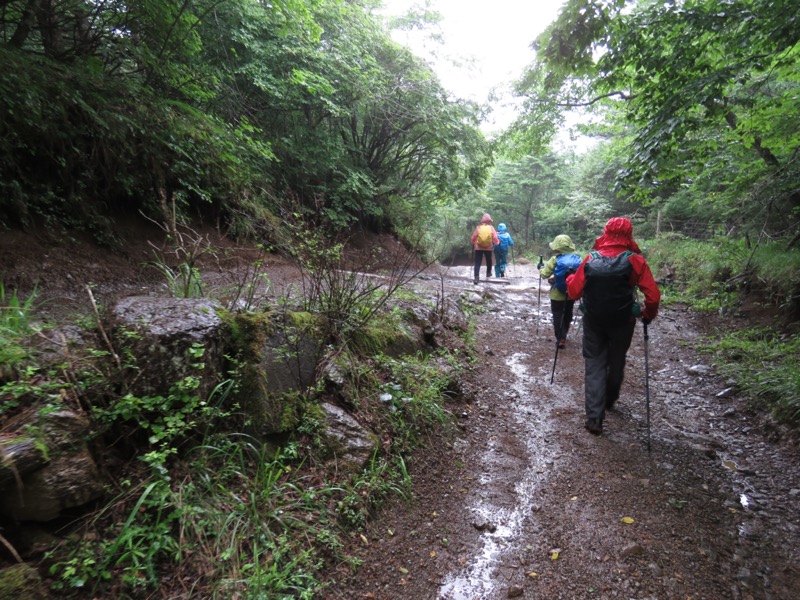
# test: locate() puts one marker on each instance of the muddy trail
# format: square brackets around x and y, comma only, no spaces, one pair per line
[523,502]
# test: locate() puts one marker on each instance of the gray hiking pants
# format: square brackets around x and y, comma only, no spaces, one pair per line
[604,351]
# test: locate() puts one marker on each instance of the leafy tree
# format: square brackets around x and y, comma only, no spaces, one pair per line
[233,109]
[694,80]
[519,189]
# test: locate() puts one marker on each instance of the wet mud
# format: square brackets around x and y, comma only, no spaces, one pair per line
[524,502]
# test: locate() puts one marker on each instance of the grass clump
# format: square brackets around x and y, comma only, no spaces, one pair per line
[765,366]
[715,275]
[15,326]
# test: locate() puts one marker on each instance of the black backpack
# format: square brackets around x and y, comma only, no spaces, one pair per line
[608,297]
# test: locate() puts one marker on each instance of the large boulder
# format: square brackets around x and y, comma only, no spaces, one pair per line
[162,333]
[277,359]
[69,478]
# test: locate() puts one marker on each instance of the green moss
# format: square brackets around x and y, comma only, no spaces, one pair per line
[305,321]
[292,406]
[386,337]
[249,331]
[21,581]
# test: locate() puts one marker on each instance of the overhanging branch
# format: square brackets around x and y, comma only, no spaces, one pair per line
[620,94]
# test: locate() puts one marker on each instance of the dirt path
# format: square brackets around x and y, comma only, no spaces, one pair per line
[526,503]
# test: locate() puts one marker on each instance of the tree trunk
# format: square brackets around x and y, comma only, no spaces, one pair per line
[25,24]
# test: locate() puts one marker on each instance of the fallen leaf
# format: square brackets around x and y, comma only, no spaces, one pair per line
[364,539]
[433,553]
[433,514]
[627,520]
[554,553]
[390,532]
[573,499]
[533,574]
[601,475]
[403,570]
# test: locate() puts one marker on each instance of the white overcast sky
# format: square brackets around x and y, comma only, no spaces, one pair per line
[491,41]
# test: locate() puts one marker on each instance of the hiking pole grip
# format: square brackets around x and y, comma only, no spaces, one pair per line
[647,382]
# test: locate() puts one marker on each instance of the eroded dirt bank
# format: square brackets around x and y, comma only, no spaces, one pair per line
[526,503]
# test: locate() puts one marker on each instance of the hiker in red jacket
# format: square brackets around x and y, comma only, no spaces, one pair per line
[483,241]
[607,281]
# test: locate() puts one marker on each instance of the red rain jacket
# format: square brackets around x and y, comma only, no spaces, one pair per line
[617,238]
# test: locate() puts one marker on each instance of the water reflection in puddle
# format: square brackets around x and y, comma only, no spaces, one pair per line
[476,580]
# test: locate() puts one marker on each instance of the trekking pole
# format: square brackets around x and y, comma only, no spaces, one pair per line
[647,383]
[555,358]
[539,301]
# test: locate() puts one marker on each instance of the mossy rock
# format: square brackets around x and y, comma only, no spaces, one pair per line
[22,582]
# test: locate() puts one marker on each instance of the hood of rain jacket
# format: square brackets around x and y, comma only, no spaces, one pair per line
[562,244]
[617,237]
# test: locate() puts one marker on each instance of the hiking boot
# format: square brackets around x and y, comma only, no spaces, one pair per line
[562,344]
[475,281]
[594,426]
[611,397]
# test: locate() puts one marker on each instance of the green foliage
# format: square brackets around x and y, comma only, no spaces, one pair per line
[520,190]
[14,312]
[236,111]
[702,272]
[677,504]
[342,294]
[132,551]
[236,514]
[366,492]
[699,98]
[15,325]
[413,395]
[30,387]
[714,275]
[168,420]
[766,367]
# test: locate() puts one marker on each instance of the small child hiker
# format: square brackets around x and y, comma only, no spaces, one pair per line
[483,240]
[501,250]
[555,270]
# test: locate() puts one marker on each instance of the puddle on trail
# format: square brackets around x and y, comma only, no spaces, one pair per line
[477,580]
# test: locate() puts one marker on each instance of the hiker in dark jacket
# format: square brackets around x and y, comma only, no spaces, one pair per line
[555,270]
[607,281]
[484,247]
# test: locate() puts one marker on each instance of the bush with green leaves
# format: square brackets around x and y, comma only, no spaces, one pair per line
[715,274]
[766,367]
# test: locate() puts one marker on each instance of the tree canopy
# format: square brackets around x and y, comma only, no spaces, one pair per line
[702,93]
[235,109]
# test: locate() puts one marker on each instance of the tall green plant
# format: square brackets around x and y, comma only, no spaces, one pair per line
[15,325]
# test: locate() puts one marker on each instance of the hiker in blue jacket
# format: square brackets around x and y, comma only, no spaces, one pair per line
[555,270]
[501,250]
